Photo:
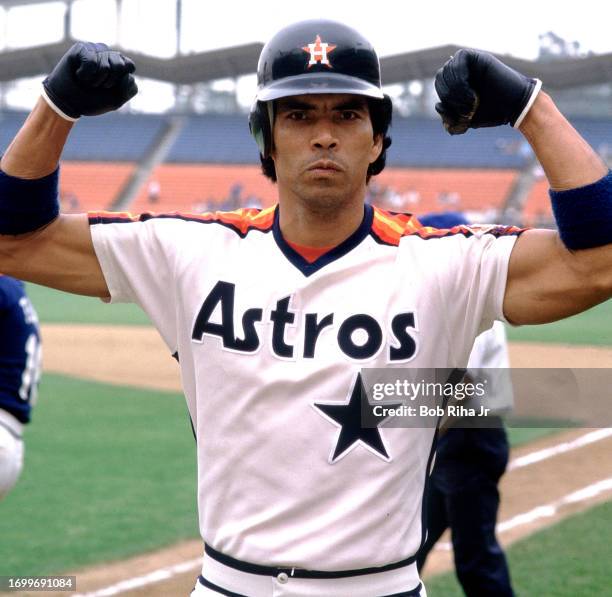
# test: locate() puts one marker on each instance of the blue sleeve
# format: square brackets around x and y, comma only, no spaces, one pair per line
[20,350]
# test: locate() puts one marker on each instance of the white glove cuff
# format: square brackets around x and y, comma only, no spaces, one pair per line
[51,105]
[528,105]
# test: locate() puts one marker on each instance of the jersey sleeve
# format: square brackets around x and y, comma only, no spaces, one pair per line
[482,273]
[471,266]
[138,263]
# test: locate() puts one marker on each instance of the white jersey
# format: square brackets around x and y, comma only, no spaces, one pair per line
[270,347]
[490,361]
[490,349]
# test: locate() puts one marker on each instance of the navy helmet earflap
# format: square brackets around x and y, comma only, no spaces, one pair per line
[261,121]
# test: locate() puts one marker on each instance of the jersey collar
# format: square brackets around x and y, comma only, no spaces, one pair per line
[339,251]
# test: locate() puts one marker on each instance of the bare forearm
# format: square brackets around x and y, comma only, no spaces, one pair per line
[550,278]
[36,149]
[567,159]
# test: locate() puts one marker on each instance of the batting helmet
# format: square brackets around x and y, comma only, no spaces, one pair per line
[316,56]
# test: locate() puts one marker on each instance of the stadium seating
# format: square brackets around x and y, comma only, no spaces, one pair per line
[90,186]
[197,188]
[114,137]
[10,123]
[438,190]
[537,209]
[423,143]
[99,157]
[215,139]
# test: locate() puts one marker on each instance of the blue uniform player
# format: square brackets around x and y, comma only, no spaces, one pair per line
[20,365]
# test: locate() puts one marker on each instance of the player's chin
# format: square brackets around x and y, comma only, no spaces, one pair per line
[325,199]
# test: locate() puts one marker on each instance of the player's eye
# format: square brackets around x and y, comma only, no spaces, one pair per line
[297,115]
[349,115]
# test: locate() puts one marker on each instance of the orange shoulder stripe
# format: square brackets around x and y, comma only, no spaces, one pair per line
[241,220]
[389,227]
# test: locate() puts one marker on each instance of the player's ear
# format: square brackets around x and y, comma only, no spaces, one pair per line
[377,147]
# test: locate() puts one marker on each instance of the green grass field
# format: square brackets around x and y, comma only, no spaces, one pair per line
[570,559]
[517,436]
[591,327]
[110,472]
[54,306]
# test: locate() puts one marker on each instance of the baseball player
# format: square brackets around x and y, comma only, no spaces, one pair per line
[20,365]
[462,492]
[272,313]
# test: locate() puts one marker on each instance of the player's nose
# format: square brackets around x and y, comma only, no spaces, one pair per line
[323,136]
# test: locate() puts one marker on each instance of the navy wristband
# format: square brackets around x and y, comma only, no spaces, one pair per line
[27,204]
[584,215]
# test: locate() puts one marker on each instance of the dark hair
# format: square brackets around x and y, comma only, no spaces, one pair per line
[381,112]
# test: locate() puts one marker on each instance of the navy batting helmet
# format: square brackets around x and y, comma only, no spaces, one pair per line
[316,56]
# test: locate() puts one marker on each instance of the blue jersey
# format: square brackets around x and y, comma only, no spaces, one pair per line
[20,351]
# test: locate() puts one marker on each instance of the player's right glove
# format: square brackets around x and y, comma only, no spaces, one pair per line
[90,79]
[477,90]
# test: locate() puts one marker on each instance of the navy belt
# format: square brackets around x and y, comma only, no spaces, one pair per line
[300,572]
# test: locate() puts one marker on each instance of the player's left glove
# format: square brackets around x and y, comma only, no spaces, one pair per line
[477,90]
[90,79]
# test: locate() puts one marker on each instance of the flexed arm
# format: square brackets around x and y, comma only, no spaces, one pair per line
[36,243]
[551,275]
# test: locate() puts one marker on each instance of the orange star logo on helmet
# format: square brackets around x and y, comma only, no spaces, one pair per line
[319,51]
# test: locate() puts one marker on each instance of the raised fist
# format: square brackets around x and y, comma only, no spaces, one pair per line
[477,90]
[90,79]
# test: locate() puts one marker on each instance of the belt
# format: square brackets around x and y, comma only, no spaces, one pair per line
[236,578]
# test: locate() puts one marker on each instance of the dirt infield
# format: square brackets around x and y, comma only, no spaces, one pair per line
[110,354]
[129,356]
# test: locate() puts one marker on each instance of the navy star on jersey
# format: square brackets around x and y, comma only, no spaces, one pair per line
[354,430]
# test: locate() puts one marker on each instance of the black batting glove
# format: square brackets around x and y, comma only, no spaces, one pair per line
[477,90]
[90,79]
